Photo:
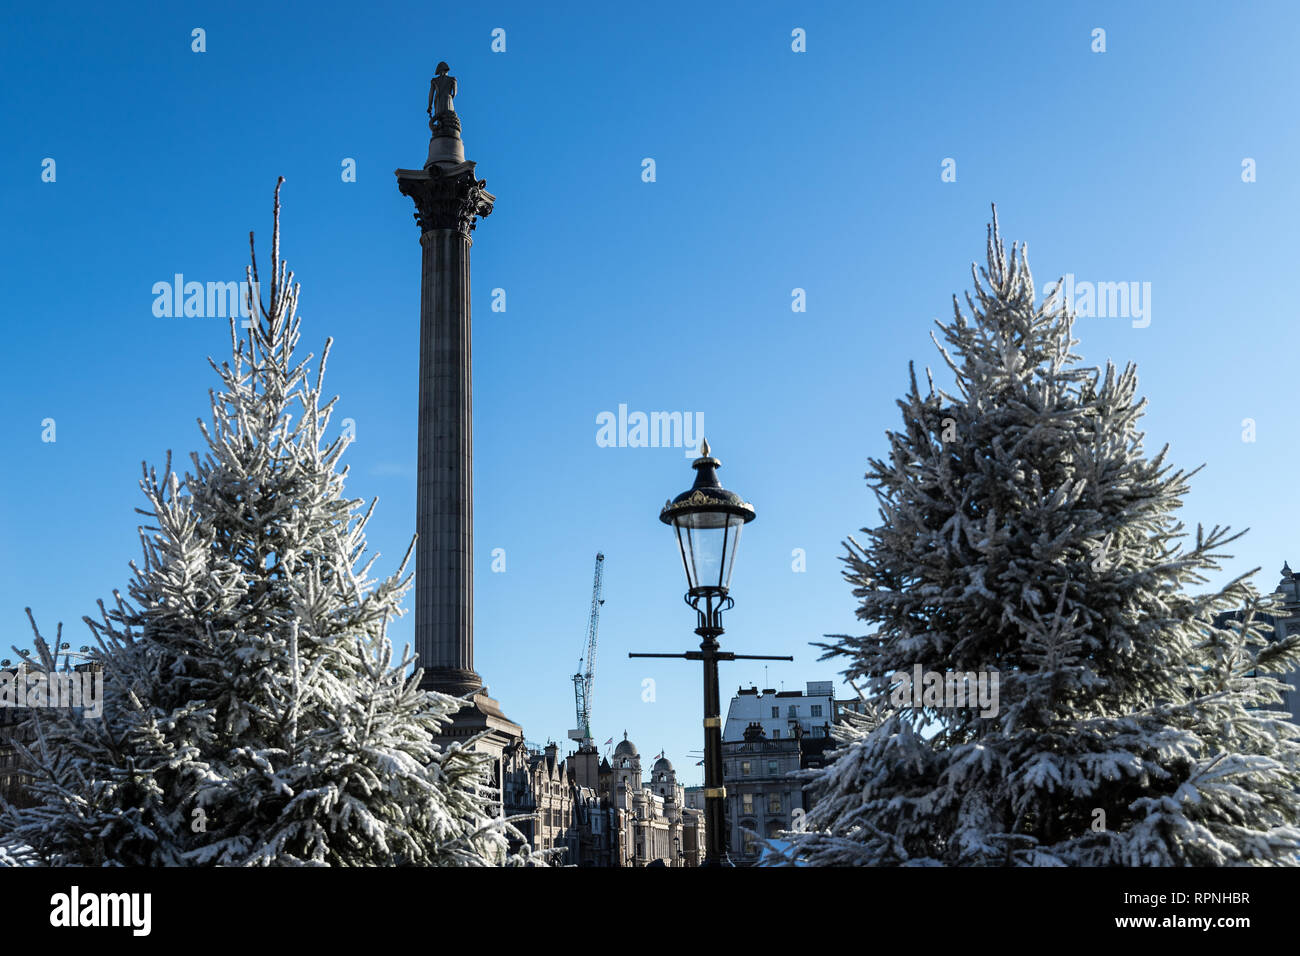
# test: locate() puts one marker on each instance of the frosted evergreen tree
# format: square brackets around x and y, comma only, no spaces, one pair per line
[1023,529]
[254,713]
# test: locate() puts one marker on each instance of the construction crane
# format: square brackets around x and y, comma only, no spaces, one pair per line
[584,680]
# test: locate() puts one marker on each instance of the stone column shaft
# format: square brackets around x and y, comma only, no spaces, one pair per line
[448,200]
[444,559]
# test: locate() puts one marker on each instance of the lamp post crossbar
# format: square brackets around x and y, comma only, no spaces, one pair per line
[722,656]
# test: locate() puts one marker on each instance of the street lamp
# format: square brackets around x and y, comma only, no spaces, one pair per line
[707,519]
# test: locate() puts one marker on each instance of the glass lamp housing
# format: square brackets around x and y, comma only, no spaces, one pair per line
[707,519]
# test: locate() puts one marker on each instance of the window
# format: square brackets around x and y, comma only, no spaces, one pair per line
[744,767]
[776,711]
[749,842]
[771,767]
[819,731]
[774,803]
[793,711]
[816,710]
[776,733]
[746,803]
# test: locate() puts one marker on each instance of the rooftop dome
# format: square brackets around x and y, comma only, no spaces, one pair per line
[625,748]
[663,763]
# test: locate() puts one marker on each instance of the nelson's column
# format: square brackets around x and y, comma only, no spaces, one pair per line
[449,200]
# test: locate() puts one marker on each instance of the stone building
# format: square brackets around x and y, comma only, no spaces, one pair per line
[782,714]
[600,813]
[761,794]
[768,736]
[15,726]
[12,781]
[1284,625]
[537,785]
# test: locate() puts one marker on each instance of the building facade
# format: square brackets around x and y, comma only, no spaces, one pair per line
[1284,625]
[768,737]
[781,714]
[761,794]
[595,812]
[12,728]
[16,727]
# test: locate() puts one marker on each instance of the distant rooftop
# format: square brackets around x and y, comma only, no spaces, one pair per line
[813,688]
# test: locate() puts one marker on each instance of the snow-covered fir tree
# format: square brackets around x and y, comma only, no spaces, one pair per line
[253,713]
[1023,529]
[16,854]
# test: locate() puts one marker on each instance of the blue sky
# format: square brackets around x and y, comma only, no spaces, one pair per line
[775,170]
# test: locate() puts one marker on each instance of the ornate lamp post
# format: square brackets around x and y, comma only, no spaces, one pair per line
[707,519]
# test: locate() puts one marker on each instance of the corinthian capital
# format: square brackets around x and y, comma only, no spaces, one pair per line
[454,199]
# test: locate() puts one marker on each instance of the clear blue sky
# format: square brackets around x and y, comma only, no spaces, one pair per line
[775,170]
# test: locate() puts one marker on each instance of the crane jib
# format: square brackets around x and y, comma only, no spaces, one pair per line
[584,680]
